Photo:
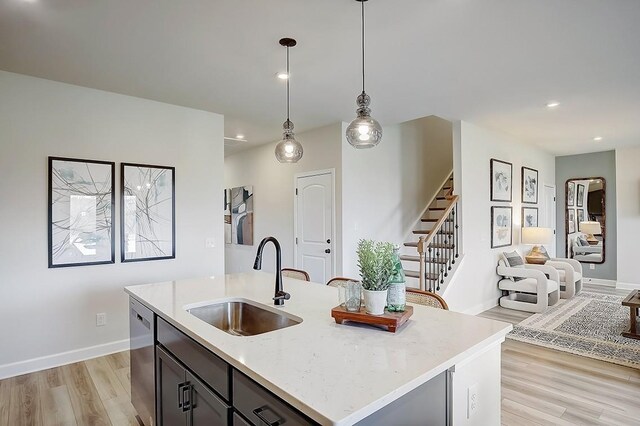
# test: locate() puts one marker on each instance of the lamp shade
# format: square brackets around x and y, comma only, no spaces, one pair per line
[592,228]
[537,236]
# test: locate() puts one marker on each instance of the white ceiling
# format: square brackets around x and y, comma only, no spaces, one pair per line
[492,62]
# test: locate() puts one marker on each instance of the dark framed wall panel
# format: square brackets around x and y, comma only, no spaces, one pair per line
[147,212]
[81,201]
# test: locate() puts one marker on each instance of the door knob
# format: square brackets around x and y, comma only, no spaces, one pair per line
[327,251]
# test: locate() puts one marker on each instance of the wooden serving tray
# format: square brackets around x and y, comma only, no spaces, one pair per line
[391,320]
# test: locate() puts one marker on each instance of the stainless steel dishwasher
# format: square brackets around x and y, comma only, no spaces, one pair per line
[143,386]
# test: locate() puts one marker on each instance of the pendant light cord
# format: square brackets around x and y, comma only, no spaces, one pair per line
[288,78]
[362,46]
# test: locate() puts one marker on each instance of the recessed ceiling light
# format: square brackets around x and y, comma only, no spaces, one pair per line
[597,138]
[283,75]
[239,136]
[553,104]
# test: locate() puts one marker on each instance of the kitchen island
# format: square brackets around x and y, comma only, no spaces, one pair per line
[441,367]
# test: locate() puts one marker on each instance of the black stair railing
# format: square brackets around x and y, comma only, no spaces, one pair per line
[439,250]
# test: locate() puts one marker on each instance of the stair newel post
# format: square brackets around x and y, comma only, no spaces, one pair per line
[421,257]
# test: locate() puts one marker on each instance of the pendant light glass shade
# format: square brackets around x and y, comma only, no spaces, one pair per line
[365,131]
[288,150]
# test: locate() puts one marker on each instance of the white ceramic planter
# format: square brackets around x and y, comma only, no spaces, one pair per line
[375,302]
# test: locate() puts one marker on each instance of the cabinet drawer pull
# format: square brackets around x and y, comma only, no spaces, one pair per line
[186,396]
[258,412]
[180,394]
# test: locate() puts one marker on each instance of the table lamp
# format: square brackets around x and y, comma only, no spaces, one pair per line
[537,237]
[591,229]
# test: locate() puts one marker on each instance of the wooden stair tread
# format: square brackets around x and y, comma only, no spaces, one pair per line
[416,274]
[437,208]
[410,258]
[434,219]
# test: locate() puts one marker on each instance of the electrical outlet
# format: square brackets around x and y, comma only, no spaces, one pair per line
[592,266]
[472,400]
[210,242]
[101,319]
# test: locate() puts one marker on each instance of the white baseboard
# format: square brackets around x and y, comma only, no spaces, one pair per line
[627,286]
[598,281]
[486,305]
[56,360]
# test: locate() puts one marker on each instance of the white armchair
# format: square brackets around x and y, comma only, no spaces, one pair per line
[569,274]
[534,292]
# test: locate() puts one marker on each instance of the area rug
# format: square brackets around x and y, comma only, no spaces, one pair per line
[588,324]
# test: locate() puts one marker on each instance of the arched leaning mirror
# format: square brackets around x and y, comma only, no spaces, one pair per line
[585,222]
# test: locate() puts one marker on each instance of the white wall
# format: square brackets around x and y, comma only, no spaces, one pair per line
[273,193]
[628,215]
[474,287]
[386,189]
[43,311]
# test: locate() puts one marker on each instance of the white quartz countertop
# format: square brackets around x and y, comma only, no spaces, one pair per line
[335,374]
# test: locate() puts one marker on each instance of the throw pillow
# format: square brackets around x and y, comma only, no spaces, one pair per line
[513,260]
[583,241]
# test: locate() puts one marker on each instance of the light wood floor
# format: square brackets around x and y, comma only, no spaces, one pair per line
[93,392]
[542,386]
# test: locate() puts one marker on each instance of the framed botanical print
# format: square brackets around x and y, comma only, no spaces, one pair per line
[580,196]
[571,220]
[529,186]
[147,213]
[501,180]
[81,203]
[580,217]
[571,194]
[501,226]
[529,217]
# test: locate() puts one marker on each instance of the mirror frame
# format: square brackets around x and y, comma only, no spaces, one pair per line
[604,215]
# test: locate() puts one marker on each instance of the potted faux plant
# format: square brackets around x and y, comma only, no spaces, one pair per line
[375,261]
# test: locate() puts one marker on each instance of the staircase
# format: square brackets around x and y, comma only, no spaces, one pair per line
[429,257]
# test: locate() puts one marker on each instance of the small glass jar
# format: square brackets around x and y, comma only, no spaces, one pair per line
[353,296]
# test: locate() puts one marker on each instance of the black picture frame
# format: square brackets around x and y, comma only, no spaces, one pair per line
[123,224]
[495,210]
[571,221]
[494,165]
[531,210]
[580,195]
[580,217]
[571,194]
[50,213]
[528,173]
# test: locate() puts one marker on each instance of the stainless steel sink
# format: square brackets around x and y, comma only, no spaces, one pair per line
[241,317]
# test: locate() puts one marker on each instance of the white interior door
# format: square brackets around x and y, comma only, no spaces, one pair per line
[314,225]
[548,219]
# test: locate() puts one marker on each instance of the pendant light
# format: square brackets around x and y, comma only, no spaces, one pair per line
[288,150]
[364,131]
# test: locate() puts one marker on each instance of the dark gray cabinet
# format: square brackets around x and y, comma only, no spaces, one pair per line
[182,399]
[260,406]
[196,387]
